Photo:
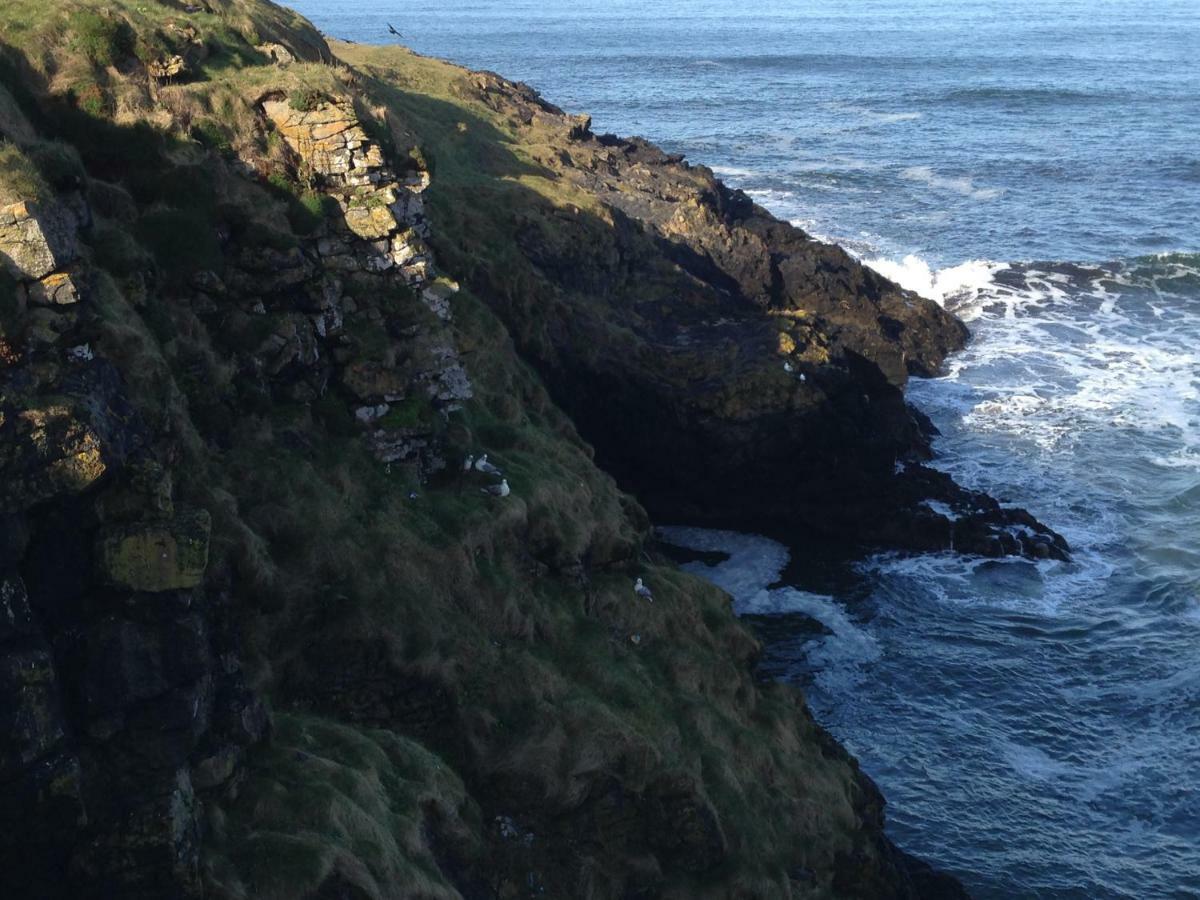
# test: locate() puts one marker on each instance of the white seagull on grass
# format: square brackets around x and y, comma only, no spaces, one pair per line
[497,490]
[641,590]
[482,465]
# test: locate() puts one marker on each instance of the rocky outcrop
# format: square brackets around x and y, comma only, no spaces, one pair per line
[384,218]
[378,242]
[111,694]
[729,368]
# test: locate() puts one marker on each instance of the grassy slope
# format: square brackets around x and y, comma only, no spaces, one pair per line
[522,611]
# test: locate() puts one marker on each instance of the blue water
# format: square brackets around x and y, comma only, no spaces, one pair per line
[1035,167]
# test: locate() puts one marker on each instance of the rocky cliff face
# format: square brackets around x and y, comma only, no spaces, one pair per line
[262,634]
[727,367]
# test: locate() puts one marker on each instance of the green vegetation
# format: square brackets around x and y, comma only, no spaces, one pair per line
[105,39]
[182,242]
[214,136]
[307,209]
[19,176]
[563,684]
[327,798]
[306,99]
[59,164]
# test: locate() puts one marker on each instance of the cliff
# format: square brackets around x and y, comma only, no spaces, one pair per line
[261,633]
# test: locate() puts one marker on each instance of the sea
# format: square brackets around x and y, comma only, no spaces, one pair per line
[1035,167]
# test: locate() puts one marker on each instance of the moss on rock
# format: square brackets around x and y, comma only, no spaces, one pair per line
[156,556]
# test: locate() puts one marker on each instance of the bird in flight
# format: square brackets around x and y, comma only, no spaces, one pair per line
[392,29]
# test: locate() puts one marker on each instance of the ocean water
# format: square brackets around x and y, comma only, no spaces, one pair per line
[1036,168]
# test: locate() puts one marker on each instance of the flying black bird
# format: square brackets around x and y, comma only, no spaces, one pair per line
[392,29]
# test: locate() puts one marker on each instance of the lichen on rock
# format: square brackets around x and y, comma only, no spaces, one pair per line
[156,556]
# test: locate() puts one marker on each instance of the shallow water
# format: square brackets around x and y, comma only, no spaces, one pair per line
[1035,727]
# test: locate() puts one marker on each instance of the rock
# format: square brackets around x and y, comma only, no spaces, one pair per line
[153,851]
[695,339]
[58,289]
[370,220]
[167,67]
[125,664]
[156,556]
[16,618]
[30,721]
[36,239]
[437,298]
[48,450]
[216,768]
[144,492]
[277,53]
[41,819]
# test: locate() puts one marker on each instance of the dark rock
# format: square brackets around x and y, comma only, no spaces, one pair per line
[729,369]
[41,817]
[31,724]
[16,618]
[149,852]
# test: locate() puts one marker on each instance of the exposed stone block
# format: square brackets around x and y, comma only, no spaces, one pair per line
[156,556]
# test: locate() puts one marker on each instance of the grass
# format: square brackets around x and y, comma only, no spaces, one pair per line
[104,39]
[523,607]
[20,178]
[327,800]
[181,241]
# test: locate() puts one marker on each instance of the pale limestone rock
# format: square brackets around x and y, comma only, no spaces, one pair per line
[36,239]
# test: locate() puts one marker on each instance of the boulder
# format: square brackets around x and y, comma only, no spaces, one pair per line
[36,239]
[57,289]
[156,556]
[47,450]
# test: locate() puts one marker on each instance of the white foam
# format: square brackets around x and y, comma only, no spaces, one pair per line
[915,274]
[732,172]
[940,508]
[754,564]
[874,117]
[959,185]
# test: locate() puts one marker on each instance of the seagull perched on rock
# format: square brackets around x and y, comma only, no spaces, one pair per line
[639,588]
[469,463]
[482,465]
[497,490]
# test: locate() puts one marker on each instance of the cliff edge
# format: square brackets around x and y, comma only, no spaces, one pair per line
[263,632]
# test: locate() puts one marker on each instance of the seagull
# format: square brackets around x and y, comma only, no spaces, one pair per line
[641,590]
[482,465]
[392,29]
[497,490]
[469,463]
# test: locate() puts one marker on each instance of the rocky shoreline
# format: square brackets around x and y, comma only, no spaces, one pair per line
[261,632]
[756,379]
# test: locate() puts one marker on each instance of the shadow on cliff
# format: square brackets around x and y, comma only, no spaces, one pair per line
[674,376]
